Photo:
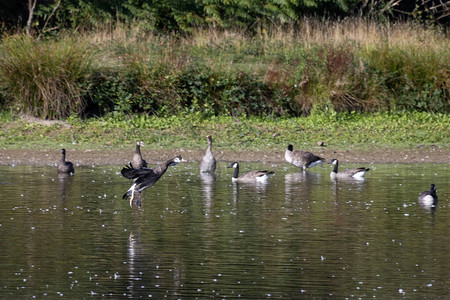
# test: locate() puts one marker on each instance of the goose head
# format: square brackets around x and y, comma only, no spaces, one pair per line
[63,151]
[177,160]
[432,188]
[290,147]
[334,161]
[233,165]
[140,143]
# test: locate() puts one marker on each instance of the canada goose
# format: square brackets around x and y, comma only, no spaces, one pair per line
[356,173]
[208,162]
[250,176]
[302,159]
[429,198]
[145,177]
[65,166]
[138,161]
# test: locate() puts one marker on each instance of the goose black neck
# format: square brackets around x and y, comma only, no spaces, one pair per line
[335,170]
[63,157]
[435,198]
[138,149]
[162,168]
[236,171]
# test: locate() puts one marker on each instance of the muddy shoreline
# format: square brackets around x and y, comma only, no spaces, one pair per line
[121,157]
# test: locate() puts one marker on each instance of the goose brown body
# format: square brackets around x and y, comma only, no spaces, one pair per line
[302,159]
[250,176]
[429,198]
[356,173]
[138,161]
[65,166]
[208,162]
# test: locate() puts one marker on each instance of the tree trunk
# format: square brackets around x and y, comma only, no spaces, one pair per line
[31,7]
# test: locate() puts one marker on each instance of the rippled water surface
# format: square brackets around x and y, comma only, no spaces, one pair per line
[301,235]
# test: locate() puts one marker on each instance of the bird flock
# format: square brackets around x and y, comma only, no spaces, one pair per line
[144,177]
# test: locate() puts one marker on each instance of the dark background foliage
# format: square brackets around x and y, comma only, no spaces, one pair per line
[173,15]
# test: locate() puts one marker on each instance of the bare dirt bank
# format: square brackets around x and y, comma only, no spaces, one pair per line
[122,157]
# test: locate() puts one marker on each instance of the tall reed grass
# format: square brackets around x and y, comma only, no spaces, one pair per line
[45,78]
[351,65]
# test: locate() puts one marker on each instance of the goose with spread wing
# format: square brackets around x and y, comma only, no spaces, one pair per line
[144,178]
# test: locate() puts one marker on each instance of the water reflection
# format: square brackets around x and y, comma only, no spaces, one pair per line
[300,182]
[64,179]
[134,262]
[208,180]
[348,191]
[300,235]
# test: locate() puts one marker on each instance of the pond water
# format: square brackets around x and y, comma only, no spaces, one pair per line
[301,235]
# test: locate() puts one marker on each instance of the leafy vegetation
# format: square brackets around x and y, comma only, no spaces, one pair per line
[44,78]
[340,67]
[187,131]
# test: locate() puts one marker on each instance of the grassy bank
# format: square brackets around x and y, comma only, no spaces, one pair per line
[338,131]
[344,66]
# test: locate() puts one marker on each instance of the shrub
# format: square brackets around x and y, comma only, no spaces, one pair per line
[415,76]
[44,78]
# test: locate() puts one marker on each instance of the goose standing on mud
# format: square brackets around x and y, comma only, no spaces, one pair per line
[64,166]
[208,162]
[145,177]
[356,173]
[138,161]
[250,176]
[302,159]
[429,198]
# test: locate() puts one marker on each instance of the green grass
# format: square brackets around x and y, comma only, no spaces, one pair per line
[188,131]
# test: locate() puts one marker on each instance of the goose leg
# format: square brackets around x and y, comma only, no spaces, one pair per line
[138,201]
[131,198]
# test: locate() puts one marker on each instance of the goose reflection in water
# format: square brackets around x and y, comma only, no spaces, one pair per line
[148,266]
[207,180]
[64,180]
[299,183]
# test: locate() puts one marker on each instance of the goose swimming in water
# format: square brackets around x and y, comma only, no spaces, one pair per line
[138,161]
[356,173]
[208,162]
[250,176]
[429,198]
[145,177]
[65,166]
[302,159]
